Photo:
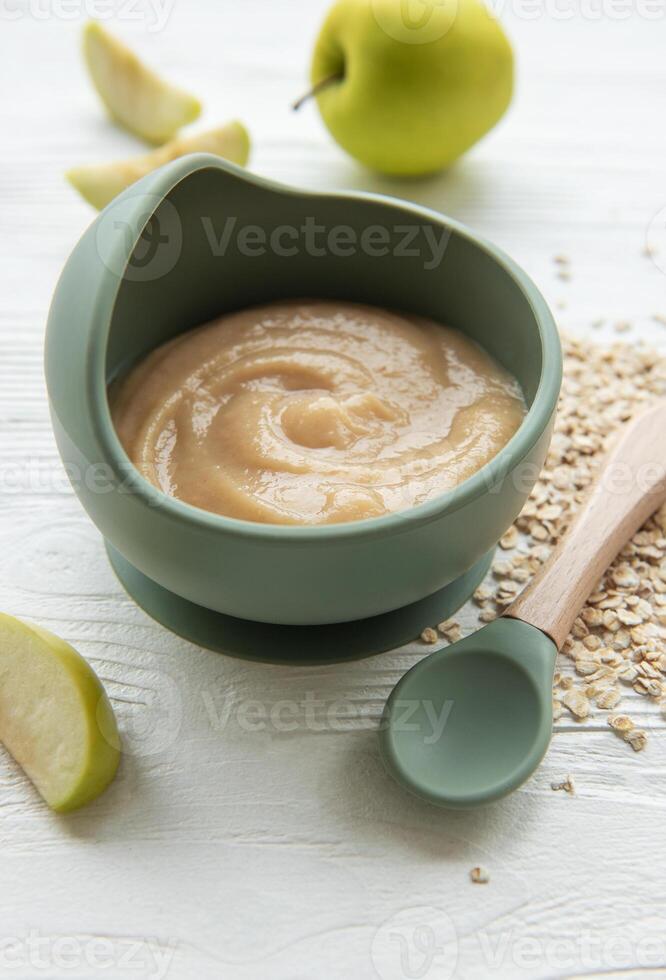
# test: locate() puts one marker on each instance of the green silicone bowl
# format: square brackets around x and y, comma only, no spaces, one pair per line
[200,237]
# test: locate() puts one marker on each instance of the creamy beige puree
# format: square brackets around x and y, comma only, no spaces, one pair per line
[314,412]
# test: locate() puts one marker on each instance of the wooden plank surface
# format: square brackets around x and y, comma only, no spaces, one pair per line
[226,852]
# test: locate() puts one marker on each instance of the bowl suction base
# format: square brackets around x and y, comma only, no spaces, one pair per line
[280,644]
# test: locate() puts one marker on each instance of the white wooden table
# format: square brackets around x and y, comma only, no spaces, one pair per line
[223,851]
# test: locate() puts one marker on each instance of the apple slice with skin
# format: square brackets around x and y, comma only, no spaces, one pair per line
[55,717]
[134,95]
[100,183]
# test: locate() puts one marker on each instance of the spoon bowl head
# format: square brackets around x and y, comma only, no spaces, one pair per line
[471,722]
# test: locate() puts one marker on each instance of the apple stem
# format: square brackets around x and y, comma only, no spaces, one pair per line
[317,88]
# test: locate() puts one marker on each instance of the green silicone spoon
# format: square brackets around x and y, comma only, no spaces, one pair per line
[471,722]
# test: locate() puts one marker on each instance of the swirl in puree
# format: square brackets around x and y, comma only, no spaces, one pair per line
[314,412]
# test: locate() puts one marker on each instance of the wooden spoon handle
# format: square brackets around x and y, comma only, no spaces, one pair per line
[630,485]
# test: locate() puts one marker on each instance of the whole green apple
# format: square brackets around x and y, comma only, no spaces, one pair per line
[406,86]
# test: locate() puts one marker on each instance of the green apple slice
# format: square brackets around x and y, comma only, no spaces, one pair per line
[55,718]
[134,95]
[100,183]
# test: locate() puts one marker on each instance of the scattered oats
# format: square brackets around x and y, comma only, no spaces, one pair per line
[567,785]
[648,251]
[611,602]
[429,635]
[621,723]
[510,539]
[598,323]
[612,659]
[622,326]
[645,686]
[577,703]
[586,667]
[558,710]
[621,640]
[659,318]
[628,674]
[564,274]
[639,636]
[603,673]
[579,629]
[584,444]
[591,642]
[539,532]
[567,683]
[625,578]
[592,616]
[487,615]
[608,698]
[629,618]
[479,876]
[637,739]
[611,620]
[483,593]
[561,259]
[453,634]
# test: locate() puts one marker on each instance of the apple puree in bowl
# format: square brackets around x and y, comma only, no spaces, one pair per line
[314,412]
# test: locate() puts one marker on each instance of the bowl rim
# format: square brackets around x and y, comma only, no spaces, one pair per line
[160,184]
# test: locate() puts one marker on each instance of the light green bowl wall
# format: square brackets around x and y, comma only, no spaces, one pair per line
[467,290]
[99,324]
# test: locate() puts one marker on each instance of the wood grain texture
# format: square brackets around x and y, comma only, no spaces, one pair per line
[629,487]
[231,851]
